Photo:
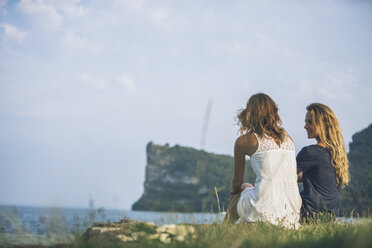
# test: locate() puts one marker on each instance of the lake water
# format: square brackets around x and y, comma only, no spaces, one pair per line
[46,221]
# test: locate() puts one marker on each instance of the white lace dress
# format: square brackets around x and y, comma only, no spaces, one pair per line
[275,197]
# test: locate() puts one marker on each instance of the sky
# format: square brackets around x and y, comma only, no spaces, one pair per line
[85,85]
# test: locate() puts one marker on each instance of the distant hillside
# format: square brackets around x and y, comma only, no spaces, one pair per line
[183,179]
[358,195]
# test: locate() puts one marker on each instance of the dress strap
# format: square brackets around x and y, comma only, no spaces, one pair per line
[259,142]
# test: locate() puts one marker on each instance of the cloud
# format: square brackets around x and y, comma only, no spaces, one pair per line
[210,18]
[167,19]
[340,85]
[3,3]
[13,33]
[127,82]
[88,79]
[3,10]
[72,41]
[271,45]
[70,8]
[51,14]
[158,16]
[47,14]
[311,88]
[237,47]
[132,4]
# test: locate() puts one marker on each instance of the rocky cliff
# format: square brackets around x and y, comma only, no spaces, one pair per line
[183,179]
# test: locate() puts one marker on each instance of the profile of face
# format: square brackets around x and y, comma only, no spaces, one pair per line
[310,127]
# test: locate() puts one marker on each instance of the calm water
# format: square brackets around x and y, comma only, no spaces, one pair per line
[45,221]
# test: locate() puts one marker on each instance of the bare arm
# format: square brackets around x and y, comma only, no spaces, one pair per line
[239,167]
[299,175]
[244,145]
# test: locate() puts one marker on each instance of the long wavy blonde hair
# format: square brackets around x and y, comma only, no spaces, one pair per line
[330,135]
[261,116]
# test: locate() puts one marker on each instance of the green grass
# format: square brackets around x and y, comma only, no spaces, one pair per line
[315,235]
[312,235]
[261,235]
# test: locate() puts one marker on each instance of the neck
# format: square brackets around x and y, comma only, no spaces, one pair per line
[319,142]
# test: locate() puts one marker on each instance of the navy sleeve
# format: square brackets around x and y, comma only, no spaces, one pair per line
[304,160]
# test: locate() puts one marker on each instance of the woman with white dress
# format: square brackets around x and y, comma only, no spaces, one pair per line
[274,197]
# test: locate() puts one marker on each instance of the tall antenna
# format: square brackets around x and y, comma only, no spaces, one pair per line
[205,123]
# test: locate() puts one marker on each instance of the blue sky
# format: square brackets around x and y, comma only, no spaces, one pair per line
[85,85]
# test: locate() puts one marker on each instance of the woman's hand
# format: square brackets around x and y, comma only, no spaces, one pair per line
[242,187]
[299,175]
[246,185]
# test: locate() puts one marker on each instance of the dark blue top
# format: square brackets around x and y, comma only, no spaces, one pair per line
[321,193]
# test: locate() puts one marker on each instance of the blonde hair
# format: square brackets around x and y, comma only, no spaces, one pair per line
[330,135]
[261,117]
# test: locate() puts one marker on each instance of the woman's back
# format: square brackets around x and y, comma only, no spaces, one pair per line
[275,197]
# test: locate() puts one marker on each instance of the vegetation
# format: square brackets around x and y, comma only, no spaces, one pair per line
[357,196]
[127,233]
[211,171]
[318,235]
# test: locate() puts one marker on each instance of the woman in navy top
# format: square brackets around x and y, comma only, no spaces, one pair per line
[323,168]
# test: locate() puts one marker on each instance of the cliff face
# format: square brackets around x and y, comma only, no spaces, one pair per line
[357,195]
[183,179]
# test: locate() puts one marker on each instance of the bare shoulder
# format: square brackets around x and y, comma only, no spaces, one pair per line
[246,143]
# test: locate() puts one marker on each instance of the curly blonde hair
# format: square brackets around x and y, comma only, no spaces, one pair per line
[261,117]
[330,135]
